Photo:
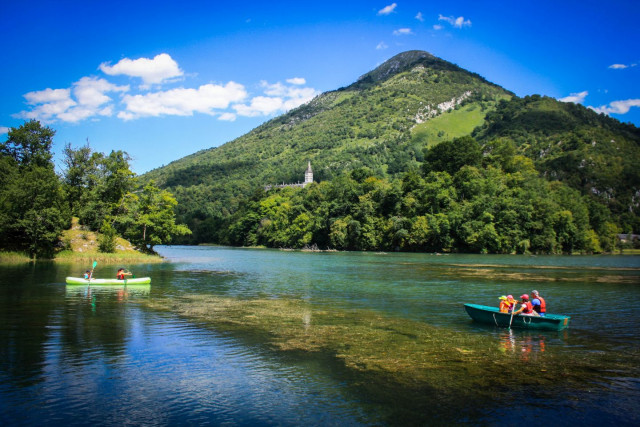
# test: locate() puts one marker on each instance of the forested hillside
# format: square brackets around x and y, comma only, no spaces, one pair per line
[382,122]
[593,153]
[418,154]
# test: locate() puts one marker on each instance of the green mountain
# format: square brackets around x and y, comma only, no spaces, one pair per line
[382,124]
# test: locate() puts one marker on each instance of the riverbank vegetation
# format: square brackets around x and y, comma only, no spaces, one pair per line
[466,198]
[37,205]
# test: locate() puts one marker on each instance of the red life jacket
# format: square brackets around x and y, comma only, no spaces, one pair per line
[528,307]
[542,307]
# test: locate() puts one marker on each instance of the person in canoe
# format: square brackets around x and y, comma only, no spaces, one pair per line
[526,309]
[121,274]
[504,304]
[87,275]
[539,304]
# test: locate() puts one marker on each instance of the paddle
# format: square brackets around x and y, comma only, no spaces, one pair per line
[128,273]
[512,310]
[92,267]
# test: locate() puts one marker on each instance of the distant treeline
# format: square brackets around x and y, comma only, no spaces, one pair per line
[466,198]
[36,204]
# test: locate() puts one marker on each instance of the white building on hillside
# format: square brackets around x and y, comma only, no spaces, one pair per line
[308,179]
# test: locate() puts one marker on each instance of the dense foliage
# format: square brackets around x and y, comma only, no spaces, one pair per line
[383,123]
[495,204]
[33,210]
[36,204]
[593,153]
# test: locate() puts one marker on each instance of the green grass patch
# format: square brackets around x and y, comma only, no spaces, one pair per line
[13,258]
[630,251]
[450,125]
[82,247]
[105,258]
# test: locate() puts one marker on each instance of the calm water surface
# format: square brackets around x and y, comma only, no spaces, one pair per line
[96,356]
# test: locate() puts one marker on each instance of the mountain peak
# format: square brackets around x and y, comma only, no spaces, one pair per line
[398,64]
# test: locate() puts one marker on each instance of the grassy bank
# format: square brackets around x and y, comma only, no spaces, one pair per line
[81,246]
[13,257]
[104,258]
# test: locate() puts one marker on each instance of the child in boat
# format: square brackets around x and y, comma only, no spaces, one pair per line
[526,309]
[121,274]
[504,304]
[87,275]
[512,303]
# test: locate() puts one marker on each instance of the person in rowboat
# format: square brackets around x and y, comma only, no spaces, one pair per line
[539,304]
[121,274]
[526,309]
[504,304]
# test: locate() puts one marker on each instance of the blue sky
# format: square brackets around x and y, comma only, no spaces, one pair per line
[165,79]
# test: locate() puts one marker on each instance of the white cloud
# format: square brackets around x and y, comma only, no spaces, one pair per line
[276,89]
[183,102]
[387,10]
[617,107]
[621,66]
[227,117]
[4,129]
[402,32]
[52,105]
[88,98]
[297,81]
[458,22]
[419,17]
[260,106]
[576,98]
[152,71]
[90,91]
[438,27]
[280,98]
[381,45]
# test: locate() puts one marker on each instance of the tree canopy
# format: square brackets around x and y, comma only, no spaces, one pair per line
[36,204]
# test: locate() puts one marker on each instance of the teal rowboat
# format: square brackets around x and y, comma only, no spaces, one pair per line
[133,281]
[492,316]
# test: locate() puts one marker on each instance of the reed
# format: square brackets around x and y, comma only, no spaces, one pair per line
[13,258]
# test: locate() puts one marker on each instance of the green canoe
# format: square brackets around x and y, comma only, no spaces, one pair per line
[492,315]
[83,281]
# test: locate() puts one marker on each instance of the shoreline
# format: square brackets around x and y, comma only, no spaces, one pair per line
[83,257]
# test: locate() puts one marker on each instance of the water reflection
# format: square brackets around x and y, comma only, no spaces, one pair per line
[528,346]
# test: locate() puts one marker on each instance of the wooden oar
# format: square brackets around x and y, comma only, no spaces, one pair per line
[512,310]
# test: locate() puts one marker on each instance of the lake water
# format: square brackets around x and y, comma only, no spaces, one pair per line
[227,336]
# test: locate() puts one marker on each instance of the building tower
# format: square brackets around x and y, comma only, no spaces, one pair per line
[308,175]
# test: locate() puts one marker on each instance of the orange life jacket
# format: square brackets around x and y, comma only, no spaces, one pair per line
[504,306]
[543,305]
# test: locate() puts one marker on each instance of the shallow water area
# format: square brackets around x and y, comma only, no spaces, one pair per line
[264,337]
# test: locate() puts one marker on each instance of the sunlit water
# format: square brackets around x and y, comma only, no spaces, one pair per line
[96,356]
